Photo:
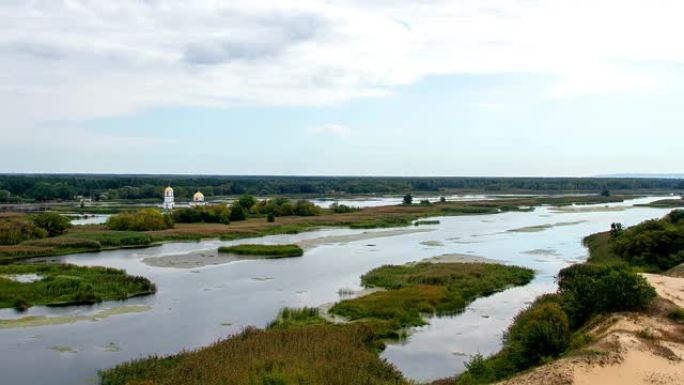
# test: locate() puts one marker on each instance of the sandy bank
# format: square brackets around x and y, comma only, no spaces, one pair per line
[629,349]
[212,257]
[366,235]
[32,321]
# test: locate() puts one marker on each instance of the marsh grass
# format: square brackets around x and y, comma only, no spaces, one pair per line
[426,222]
[63,284]
[415,290]
[382,223]
[269,251]
[315,354]
[289,317]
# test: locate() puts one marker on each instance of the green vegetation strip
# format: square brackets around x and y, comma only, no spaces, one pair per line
[64,284]
[268,251]
[414,290]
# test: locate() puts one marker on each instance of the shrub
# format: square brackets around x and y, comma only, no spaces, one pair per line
[342,209]
[206,214]
[586,290]
[270,217]
[304,208]
[539,332]
[237,213]
[15,231]
[247,201]
[53,223]
[676,314]
[141,220]
[653,242]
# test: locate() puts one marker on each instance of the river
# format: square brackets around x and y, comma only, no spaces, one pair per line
[197,306]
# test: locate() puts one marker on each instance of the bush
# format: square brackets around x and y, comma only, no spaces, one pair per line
[304,208]
[53,223]
[676,315]
[15,231]
[270,217]
[586,290]
[237,213]
[141,220]
[654,242]
[342,209]
[205,214]
[540,332]
[247,202]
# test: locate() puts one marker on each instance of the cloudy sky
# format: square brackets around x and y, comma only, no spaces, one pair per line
[342,87]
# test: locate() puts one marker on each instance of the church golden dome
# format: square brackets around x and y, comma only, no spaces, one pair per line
[168,190]
[198,197]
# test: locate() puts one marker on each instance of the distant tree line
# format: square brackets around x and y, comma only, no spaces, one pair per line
[38,187]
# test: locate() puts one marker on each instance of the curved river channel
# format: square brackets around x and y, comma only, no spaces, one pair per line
[196,306]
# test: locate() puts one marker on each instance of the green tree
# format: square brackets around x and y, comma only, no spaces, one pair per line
[408,199]
[53,223]
[141,220]
[237,213]
[247,201]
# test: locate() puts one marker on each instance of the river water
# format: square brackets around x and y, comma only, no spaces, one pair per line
[197,306]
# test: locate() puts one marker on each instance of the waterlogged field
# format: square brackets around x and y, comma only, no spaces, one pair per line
[196,305]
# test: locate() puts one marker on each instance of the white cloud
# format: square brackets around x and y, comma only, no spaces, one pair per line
[330,129]
[80,59]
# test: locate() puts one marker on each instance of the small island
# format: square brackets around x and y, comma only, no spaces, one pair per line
[267,251]
[26,285]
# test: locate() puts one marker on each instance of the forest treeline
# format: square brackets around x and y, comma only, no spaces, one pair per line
[42,187]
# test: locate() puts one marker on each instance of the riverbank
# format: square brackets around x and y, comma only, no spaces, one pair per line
[91,238]
[606,323]
[626,348]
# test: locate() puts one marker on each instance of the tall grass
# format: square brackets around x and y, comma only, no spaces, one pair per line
[67,284]
[269,251]
[428,288]
[318,354]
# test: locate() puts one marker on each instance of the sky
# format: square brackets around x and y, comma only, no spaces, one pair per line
[342,87]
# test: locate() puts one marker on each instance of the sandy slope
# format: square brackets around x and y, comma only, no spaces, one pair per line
[629,349]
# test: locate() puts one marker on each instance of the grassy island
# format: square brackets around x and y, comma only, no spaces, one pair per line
[25,285]
[301,347]
[414,290]
[268,251]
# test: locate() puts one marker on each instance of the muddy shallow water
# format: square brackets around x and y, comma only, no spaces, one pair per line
[197,305]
